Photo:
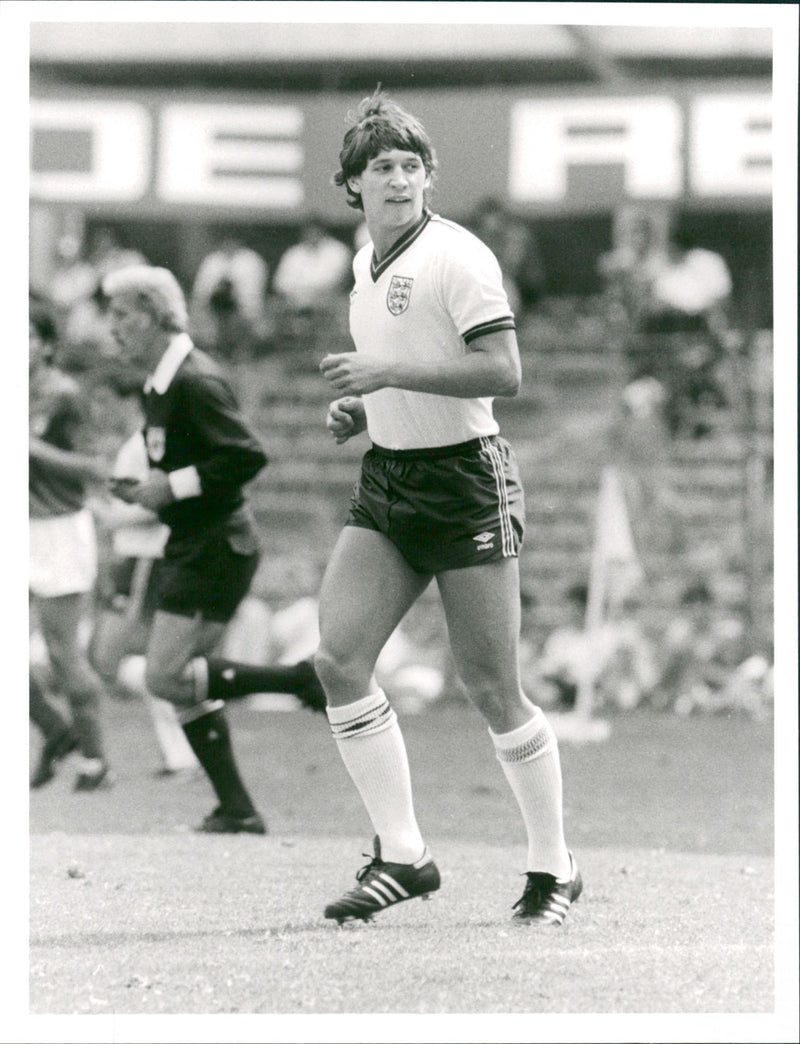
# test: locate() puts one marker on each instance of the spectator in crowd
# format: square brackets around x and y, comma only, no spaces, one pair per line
[629,671]
[228,300]
[77,293]
[87,340]
[686,332]
[631,268]
[201,456]
[438,496]
[690,290]
[74,277]
[614,660]
[703,650]
[514,245]
[63,465]
[568,658]
[108,253]
[311,281]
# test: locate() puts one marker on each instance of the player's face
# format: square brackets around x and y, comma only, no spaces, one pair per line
[132,327]
[392,187]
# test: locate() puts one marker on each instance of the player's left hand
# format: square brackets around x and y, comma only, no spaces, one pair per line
[155,492]
[353,373]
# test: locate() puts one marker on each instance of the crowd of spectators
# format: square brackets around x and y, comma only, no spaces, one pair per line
[700,661]
[238,308]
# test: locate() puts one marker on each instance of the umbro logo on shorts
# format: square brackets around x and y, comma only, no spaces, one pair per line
[484,541]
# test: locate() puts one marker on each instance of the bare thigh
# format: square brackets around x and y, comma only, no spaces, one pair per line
[482,608]
[175,641]
[367,590]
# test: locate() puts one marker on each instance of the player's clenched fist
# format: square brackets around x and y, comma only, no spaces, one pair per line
[346,417]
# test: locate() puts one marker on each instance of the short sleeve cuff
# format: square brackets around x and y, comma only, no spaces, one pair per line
[185,482]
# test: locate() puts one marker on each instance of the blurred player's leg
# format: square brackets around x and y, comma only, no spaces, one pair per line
[60,619]
[219,679]
[174,641]
[176,751]
[59,739]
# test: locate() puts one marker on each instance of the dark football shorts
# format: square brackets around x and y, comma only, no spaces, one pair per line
[209,573]
[443,508]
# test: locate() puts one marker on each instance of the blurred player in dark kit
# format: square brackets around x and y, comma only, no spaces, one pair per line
[201,455]
[438,496]
[63,559]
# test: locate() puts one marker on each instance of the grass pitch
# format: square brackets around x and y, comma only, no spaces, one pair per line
[133,914]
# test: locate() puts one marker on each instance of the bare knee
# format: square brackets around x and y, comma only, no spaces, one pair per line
[74,674]
[177,687]
[341,675]
[501,701]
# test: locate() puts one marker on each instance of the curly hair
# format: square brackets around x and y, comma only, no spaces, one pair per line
[378,125]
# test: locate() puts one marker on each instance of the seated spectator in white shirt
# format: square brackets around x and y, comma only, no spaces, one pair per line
[228,299]
[691,288]
[311,281]
[314,269]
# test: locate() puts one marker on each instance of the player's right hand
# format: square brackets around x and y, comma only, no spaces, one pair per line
[345,418]
[124,488]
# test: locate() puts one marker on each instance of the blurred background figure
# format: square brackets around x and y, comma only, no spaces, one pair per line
[311,282]
[107,252]
[630,269]
[707,659]
[74,277]
[76,291]
[63,464]
[683,332]
[227,305]
[514,245]
[614,660]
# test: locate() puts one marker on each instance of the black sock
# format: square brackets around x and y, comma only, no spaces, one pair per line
[210,739]
[228,680]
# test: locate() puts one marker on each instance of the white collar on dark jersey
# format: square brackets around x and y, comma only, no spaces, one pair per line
[161,378]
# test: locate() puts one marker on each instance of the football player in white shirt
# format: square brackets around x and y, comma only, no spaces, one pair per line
[438,496]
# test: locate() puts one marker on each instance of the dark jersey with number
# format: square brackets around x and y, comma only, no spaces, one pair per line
[196,422]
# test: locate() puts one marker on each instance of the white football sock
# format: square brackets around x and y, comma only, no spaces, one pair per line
[372,749]
[529,758]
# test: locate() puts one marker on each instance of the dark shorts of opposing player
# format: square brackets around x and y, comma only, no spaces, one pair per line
[444,508]
[208,573]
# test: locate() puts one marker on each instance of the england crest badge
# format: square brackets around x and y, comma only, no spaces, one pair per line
[399,294]
[156,443]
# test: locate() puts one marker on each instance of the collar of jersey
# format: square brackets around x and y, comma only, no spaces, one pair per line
[402,244]
[161,378]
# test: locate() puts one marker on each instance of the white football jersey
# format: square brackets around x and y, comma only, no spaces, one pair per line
[437,290]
